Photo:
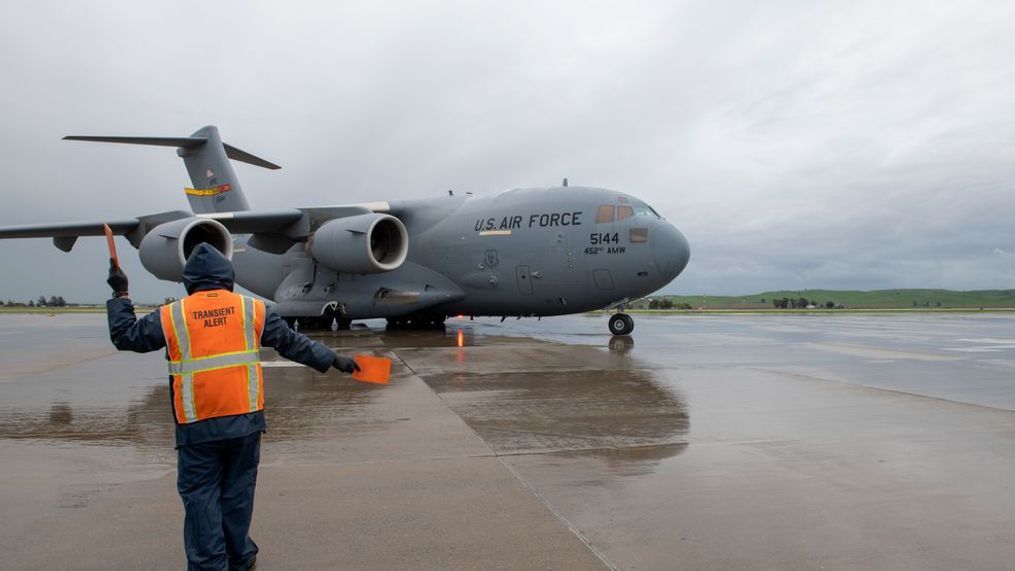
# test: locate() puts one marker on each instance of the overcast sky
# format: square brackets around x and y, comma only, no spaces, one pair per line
[844,145]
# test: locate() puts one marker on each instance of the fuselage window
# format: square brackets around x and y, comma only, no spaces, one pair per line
[605,214]
[638,235]
[624,212]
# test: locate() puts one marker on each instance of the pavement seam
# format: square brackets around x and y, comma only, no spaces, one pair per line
[814,378]
[557,514]
[550,451]
[525,483]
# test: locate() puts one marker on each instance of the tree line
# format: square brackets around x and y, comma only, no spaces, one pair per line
[43,301]
[800,303]
[665,303]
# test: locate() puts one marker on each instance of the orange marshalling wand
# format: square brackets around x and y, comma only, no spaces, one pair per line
[111,244]
[372,369]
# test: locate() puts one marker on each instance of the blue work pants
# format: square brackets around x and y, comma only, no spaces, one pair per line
[216,482]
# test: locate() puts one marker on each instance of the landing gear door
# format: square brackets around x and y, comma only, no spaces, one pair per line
[524,278]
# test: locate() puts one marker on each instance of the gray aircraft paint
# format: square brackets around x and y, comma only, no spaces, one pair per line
[522,252]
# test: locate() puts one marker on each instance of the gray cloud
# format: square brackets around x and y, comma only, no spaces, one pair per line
[838,145]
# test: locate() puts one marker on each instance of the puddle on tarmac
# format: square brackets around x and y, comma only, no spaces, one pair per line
[457,333]
[301,405]
[611,413]
[621,415]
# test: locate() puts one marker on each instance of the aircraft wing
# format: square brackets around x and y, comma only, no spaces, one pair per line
[273,230]
[294,222]
[68,229]
[66,234]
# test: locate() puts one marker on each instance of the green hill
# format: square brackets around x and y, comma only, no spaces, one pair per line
[878,299]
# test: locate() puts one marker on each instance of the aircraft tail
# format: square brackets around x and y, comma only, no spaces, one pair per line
[216,188]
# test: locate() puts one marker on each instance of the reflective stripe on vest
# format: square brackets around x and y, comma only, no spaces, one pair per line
[228,380]
[250,340]
[203,364]
[177,314]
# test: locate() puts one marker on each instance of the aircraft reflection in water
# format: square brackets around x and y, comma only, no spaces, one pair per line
[523,252]
[527,397]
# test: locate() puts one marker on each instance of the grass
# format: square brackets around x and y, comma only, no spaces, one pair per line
[878,300]
[44,310]
[66,310]
[898,299]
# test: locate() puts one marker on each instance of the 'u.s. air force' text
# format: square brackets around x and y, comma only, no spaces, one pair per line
[545,220]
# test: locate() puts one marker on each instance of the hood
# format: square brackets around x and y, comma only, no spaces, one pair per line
[207,269]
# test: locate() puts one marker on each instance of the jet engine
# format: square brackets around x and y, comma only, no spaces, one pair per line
[165,249]
[361,244]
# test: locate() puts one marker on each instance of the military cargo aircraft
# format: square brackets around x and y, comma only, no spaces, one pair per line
[524,252]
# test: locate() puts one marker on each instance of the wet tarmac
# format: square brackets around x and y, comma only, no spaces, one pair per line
[719,441]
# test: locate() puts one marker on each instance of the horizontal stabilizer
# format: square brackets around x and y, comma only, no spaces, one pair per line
[186,142]
[245,157]
[182,142]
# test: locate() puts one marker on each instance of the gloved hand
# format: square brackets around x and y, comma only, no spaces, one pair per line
[344,364]
[117,279]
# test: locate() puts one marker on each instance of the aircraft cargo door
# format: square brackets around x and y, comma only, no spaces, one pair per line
[524,279]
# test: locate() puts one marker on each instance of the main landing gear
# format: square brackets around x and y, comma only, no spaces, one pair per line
[417,322]
[323,323]
[621,324]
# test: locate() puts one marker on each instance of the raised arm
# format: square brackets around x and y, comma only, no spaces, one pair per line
[126,331]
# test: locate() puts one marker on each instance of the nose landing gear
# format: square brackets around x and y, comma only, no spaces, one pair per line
[621,324]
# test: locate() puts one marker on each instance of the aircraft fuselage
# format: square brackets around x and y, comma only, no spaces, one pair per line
[531,252]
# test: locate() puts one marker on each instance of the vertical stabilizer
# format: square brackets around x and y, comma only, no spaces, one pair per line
[215,187]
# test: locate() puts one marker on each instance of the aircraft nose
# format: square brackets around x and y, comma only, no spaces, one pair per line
[671,251]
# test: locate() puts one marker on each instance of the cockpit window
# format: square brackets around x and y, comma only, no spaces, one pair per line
[605,214]
[624,212]
[646,210]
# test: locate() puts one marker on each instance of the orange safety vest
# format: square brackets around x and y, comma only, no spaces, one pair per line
[214,340]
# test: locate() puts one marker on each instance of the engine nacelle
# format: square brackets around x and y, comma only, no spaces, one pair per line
[361,244]
[165,249]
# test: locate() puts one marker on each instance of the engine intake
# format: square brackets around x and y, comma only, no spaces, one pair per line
[165,249]
[362,244]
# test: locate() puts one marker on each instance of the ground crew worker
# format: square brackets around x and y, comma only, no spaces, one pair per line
[212,339]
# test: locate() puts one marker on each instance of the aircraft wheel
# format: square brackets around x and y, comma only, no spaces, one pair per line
[621,343]
[433,322]
[621,324]
[317,323]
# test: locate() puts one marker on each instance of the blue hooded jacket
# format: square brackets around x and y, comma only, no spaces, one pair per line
[207,269]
